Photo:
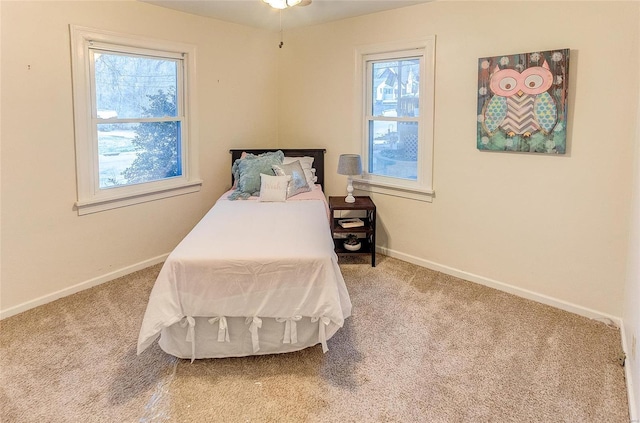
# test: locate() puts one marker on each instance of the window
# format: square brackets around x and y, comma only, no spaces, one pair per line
[397,99]
[132,105]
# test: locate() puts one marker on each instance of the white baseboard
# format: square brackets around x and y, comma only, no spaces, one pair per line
[629,372]
[501,286]
[81,286]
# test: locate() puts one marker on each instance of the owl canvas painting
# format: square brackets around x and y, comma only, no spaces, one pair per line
[522,102]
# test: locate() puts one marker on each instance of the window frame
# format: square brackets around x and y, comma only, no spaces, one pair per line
[424,49]
[92,198]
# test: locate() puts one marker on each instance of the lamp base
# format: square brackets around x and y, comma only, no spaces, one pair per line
[349,198]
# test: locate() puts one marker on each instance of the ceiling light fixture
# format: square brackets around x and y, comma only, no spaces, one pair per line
[283,4]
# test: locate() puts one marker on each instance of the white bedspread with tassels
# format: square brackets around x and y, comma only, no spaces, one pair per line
[252,260]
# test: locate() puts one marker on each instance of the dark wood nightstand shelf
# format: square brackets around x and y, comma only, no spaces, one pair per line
[366,233]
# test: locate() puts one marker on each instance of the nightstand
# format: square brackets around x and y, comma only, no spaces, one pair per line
[366,211]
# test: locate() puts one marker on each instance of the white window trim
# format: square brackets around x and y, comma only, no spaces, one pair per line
[90,198]
[422,189]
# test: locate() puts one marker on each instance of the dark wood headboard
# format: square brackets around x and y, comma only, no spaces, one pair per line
[316,153]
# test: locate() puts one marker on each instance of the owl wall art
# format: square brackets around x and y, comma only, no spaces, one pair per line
[522,102]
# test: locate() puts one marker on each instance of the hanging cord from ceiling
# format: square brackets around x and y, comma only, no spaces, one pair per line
[281,37]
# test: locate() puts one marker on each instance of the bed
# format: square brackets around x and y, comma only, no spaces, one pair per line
[253,276]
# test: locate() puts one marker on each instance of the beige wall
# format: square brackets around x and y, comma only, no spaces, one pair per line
[46,246]
[631,314]
[554,225]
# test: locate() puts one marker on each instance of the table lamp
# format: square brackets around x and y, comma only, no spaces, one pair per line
[349,164]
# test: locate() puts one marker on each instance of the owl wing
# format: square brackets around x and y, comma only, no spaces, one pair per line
[545,111]
[495,110]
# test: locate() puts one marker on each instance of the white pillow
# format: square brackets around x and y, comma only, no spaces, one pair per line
[273,188]
[307,166]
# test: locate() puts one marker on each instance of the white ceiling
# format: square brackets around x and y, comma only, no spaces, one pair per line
[257,14]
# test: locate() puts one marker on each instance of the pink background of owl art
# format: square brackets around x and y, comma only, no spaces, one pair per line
[522,102]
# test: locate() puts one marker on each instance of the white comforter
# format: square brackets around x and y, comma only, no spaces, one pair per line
[252,259]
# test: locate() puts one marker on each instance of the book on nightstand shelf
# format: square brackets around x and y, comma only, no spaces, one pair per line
[351,223]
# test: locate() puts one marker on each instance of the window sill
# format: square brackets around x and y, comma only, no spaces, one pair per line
[102,204]
[394,190]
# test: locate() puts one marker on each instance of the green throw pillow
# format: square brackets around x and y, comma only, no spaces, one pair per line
[248,170]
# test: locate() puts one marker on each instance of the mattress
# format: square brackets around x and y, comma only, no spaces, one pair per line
[251,278]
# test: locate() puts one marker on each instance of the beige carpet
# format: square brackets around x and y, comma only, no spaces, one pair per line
[421,346]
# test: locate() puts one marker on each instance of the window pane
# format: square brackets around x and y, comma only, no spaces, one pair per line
[395,88]
[137,153]
[393,149]
[131,87]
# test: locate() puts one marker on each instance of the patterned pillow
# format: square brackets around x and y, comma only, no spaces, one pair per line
[298,182]
[247,172]
[307,165]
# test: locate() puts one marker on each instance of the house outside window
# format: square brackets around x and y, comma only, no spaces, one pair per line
[133,114]
[397,97]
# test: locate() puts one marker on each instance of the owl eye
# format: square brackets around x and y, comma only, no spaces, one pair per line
[508,83]
[533,81]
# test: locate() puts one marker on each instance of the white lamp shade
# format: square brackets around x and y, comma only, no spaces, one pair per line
[349,164]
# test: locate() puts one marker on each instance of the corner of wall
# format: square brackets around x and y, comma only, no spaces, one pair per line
[631,311]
